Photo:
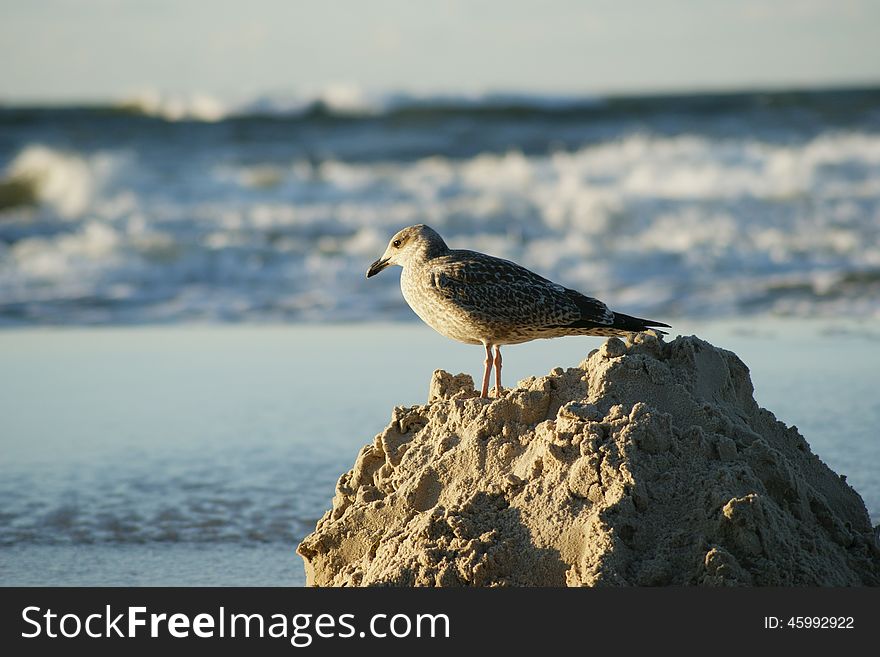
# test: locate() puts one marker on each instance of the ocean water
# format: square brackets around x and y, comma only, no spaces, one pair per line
[191,355]
[170,210]
[201,455]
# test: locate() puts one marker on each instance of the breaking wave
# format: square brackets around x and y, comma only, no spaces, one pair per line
[341,100]
[126,221]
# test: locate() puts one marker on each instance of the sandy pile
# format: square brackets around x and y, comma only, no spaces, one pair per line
[647,466]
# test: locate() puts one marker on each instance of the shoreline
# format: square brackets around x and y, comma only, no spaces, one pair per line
[80,408]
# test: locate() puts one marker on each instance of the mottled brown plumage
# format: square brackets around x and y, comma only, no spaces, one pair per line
[479,299]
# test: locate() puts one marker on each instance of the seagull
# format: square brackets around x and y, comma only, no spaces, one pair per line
[480,299]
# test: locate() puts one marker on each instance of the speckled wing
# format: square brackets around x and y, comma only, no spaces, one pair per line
[496,291]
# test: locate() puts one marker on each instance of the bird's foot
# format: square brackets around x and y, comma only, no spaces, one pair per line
[492,393]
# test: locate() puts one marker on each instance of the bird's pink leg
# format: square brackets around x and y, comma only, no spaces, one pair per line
[497,370]
[487,371]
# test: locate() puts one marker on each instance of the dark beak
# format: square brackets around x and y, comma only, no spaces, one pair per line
[377,266]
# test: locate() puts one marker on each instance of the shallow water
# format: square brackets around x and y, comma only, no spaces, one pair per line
[202,455]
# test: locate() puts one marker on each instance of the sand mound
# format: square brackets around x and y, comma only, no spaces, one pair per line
[647,466]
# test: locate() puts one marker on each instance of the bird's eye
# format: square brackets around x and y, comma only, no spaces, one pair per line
[396,244]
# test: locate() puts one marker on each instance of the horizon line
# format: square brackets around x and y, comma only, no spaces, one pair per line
[857,84]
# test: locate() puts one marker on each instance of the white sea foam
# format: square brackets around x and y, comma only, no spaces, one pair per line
[66,181]
[664,225]
[345,99]
[192,107]
[338,98]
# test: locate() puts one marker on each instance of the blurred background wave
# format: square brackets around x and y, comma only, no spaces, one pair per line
[164,209]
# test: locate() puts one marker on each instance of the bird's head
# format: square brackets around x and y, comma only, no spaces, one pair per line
[414,243]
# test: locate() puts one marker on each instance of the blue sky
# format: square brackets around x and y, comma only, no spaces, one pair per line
[58,50]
